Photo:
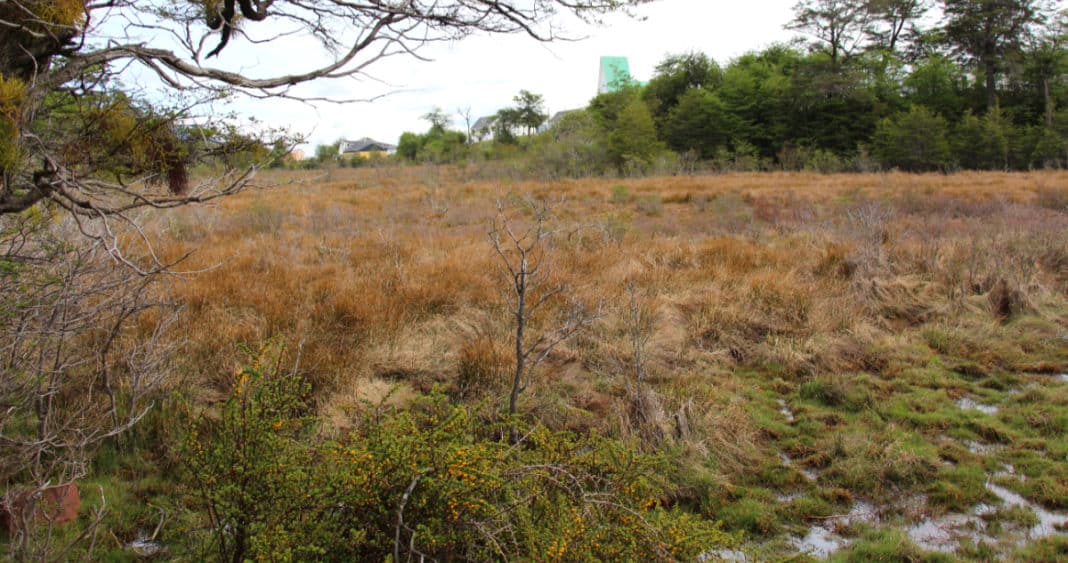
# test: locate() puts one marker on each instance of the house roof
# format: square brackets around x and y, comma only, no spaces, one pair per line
[558,115]
[555,119]
[484,122]
[365,145]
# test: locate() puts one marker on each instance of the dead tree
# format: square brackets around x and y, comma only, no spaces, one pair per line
[525,260]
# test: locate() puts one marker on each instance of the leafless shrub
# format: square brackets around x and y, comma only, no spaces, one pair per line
[74,373]
[646,412]
[525,259]
[869,225]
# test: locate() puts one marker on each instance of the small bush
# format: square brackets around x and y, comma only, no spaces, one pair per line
[621,194]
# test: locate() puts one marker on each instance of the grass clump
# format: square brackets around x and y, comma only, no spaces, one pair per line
[958,488]
[1053,549]
[847,392]
[887,546]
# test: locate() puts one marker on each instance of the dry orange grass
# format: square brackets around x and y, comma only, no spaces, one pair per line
[385,278]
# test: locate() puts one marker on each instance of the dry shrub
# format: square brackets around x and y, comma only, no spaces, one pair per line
[781,209]
[902,299]
[783,298]
[837,261]
[342,409]
[479,367]
[370,279]
[730,255]
[1007,301]
[792,357]
[727,436]
[645,415]
[852,352]
[741,319]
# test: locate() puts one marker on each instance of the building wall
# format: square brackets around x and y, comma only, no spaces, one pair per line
[366,154]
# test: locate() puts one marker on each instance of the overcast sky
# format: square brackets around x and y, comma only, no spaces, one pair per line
[484,73]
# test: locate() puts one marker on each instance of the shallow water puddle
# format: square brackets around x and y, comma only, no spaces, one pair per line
[790,497]
[945,533]
[788,462]
[968,404]
[981,448]
[1063,377]
[786,412]
[724,555]
[1048,522]
[823,539]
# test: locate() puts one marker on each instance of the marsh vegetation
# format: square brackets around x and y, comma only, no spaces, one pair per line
[845,366]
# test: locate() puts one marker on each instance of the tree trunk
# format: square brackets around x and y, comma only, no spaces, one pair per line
[1048,100]
[520,357]
[990,69]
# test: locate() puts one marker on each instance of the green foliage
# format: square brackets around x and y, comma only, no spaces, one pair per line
[958,488]
[633,144]
[128,138]
[1048,550]
[433,480]
[408,146]
[989,34]
[825,112]
[913,141]
[438,145]
[698,122]
[439,121]
[324,153]
[12,91]
[573,147]
[254,469]
[982,143]
[529,110]
[939,84]
[621,194]
[677,75]
[505,125]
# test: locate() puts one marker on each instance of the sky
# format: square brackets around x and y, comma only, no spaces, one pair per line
[484,73]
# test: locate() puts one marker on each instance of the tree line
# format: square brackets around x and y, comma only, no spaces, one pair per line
[882,84]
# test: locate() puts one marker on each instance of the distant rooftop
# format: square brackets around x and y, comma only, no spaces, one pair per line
[364,145]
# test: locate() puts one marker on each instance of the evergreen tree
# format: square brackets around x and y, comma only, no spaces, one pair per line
[988,33]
